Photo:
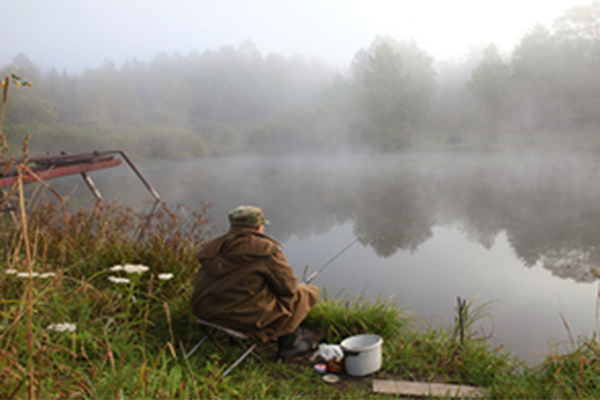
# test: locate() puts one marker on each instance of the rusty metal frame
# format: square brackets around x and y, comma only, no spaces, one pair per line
[54,166]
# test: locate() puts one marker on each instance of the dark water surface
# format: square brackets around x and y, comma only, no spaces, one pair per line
[519,229]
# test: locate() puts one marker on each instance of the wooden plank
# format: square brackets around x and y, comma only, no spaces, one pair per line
[423,389]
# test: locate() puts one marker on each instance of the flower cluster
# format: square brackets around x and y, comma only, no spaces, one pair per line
[130,268]
[17,81]
[116,279]
[134,269]
[28,275]
[66,327]
[165,277]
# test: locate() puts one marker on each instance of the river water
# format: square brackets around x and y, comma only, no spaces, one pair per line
[520,230]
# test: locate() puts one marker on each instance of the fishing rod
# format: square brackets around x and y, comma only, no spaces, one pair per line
[317,272]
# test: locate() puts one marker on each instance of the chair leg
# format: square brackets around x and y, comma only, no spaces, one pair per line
[200,343]
[239,360]
[242,345]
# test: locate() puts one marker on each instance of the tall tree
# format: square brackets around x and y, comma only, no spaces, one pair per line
[537,80]
[394,83]
[577,33]
[580,24]
[490,84]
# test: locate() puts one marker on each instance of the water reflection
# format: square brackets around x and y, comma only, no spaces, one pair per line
[546,205]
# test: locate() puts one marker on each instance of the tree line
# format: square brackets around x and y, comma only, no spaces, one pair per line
[393,96]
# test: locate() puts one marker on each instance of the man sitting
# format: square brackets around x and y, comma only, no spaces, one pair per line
[245,283]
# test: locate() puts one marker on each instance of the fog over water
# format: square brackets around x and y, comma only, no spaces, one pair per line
[517,228]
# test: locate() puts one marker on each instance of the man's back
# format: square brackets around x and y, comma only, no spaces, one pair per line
[245,283]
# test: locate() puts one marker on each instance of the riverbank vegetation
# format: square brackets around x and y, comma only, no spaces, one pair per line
[94,304]
[543,94]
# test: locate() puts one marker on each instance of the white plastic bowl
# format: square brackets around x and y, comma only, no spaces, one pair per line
[362,354]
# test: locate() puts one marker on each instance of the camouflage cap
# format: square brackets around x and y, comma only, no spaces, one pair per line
[249,216]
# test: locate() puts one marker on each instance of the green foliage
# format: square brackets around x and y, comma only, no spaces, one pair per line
[290,130]
[467,317]
[167,142]
[117,325]
[173,106]
[108,234]
[221,137]
[345,316]
[571,375]
[30,109]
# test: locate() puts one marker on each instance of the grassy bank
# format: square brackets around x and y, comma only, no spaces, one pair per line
[74,326]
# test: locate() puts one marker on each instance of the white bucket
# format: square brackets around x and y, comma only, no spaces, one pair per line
[362,354]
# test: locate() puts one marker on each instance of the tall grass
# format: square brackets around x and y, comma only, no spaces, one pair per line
[55,268]
[345,315]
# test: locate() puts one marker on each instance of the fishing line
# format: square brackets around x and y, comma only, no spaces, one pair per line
[317,272]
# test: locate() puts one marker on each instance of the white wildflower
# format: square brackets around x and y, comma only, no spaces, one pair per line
[66,327]
[115,279]
[165,277]
[116,268]
[26,275]
[10,271]
[47,275]
[135,269]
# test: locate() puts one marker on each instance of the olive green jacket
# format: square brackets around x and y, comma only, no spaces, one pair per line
[245,283]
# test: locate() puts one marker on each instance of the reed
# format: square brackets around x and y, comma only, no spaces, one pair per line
[55,273]
[347,315]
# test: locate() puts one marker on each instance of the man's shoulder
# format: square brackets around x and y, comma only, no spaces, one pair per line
[268,238]
[239,241]
[212,247]
[258,244]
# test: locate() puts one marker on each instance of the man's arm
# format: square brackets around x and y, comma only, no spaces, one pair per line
[281,276]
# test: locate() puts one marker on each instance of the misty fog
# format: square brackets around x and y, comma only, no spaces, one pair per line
[393,96]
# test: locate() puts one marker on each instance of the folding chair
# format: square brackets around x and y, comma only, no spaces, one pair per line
[237,336]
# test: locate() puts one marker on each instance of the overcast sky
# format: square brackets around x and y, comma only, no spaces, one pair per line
[78,34]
